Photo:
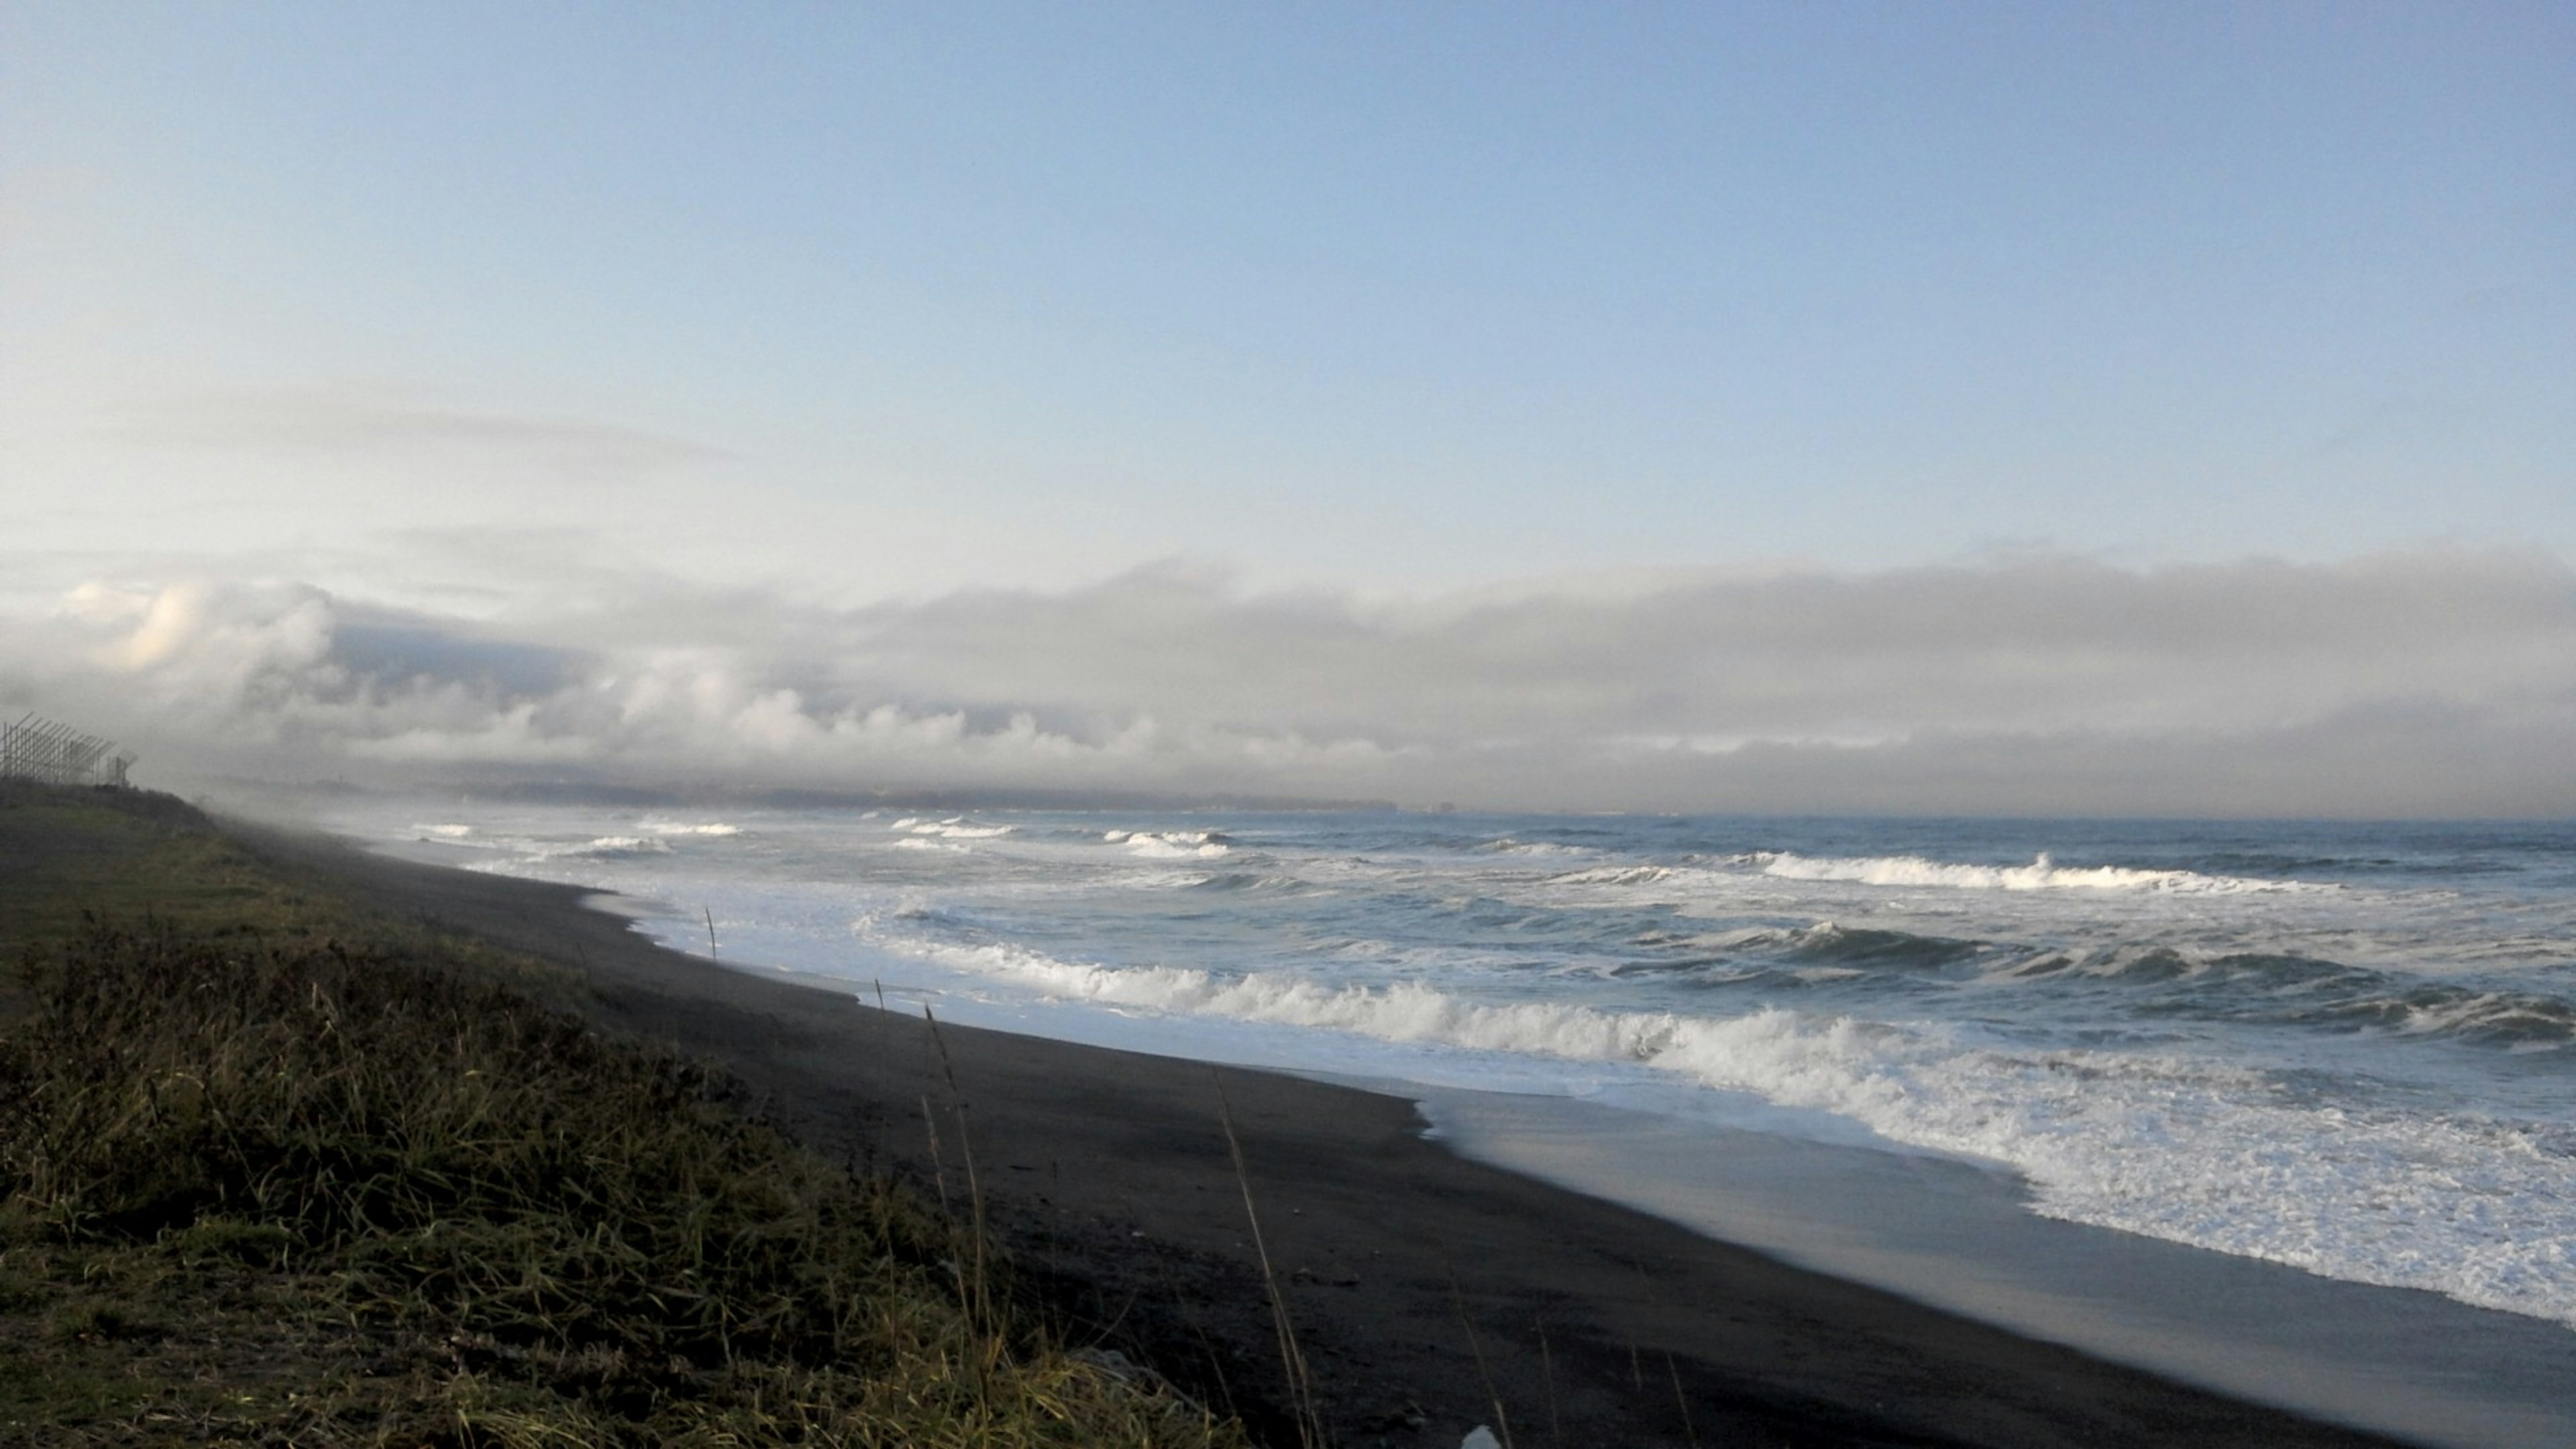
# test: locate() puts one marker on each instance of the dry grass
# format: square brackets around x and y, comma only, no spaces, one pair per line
[262,1187]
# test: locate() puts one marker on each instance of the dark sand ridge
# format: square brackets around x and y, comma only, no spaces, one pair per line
[1424,1287]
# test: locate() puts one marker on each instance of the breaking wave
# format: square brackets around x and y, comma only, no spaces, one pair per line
[1508,845]
[677,827]
[1614,875]
[2041,874]
[606,847]
[952,828]
[2159,1144]
[1170,844]
[2285,990]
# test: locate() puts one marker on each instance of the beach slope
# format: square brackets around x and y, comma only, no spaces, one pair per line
[1426,1293]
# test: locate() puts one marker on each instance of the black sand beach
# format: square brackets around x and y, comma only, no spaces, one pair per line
[1429,1293]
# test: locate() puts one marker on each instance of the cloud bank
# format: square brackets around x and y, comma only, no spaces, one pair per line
[2427,683]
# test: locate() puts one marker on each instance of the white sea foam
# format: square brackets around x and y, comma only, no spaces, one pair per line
[1615,875]
[445,832]
[605,847]
[680,827]
[1169,844]
[955,827]
[1507,845]
[2169,1146]
[2041,874]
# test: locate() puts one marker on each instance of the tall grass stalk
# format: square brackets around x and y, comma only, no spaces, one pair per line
[979,1280]
[1547,1378]
[1292,1359]
[1688,1433]
[1476,1348]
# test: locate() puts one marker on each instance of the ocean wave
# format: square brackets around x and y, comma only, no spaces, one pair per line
[2042,873]
[2238,862]
[2167,1146]
[1507,845]
[1252,881]
[1614,875]
[2181,1149]
[444,832]
[955,827]
[2508,1019]
[2155,965]
[605,847]
[1170,844]
[678,827]
[1860,947]
[2291,990]
[915,914]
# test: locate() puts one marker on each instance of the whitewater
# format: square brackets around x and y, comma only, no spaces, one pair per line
[2349,1049]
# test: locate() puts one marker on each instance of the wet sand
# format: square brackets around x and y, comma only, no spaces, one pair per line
[1428,1293]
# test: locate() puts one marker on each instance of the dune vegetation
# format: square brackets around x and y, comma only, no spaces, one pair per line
[274,1170]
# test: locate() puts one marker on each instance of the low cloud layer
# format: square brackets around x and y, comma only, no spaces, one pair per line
[2431,683]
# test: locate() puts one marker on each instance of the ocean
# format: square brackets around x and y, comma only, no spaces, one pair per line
[1973,1059]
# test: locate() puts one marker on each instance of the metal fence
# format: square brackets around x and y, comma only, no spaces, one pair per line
[40,749]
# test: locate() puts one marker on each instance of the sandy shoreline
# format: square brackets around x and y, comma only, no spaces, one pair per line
[1430,1293]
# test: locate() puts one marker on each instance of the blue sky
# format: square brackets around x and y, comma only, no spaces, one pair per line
[857,303]
[1353,292]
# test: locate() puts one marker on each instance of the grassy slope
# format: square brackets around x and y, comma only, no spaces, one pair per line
[274,1170]
[65,853]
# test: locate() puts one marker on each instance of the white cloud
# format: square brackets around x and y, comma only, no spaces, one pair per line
[2422,683]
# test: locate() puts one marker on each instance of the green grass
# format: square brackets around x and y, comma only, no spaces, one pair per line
[69,856]
[272,1173]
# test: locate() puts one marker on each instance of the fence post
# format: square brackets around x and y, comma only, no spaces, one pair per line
[36,748]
